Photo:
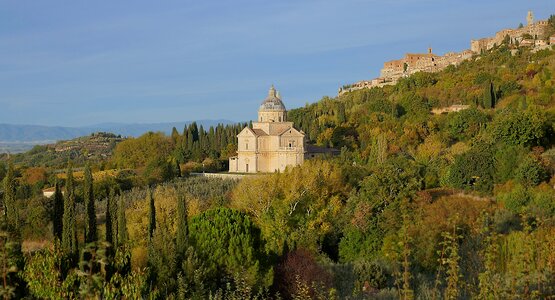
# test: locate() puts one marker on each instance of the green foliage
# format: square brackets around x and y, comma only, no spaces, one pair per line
[450,258]
[516,199]
[11,263]
[151,213]
[3,170]
[473,170]
[376,206]
[182,240]
[44,277]
[418,80]
[162,259]
[58,212]
[527,128]
[138,152]
[90,210]
[370,273]
[69,234]
[10,209]
[531,171]
[158,170]
[466,124]
[507,160]
[490,96]
[228,242]
[122,235]
[543,203]
[299,207]
[110,215]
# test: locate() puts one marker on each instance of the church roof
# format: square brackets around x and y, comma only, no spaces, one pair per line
[253,131]
[292,130]
[272,102]
[259,132]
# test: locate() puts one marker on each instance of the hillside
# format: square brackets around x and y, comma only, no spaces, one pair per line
[16,138]
[96,147]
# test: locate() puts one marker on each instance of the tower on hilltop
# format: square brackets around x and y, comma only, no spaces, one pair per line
[530,18]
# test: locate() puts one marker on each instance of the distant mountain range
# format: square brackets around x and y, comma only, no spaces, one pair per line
[16,138]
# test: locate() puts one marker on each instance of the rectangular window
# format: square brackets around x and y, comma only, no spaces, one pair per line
[247,168]
[247,146]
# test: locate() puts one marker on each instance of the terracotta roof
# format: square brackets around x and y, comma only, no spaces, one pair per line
[259,132]
[290,128]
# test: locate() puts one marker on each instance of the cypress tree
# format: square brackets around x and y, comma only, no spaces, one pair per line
[175,135]
[90,210]
[122,223]
[151,214]
[182,227]
[58,212]
[489,96]
[194,131]
[69,235]
[341,116]
[114,215]
[177,168]
[10,210]
[109,229]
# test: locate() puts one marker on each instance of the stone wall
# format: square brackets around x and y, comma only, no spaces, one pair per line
[412,63]
[537,31]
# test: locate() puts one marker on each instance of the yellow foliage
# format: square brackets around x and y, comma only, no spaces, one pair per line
[301,203]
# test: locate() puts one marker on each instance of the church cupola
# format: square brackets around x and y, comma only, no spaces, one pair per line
[272,108]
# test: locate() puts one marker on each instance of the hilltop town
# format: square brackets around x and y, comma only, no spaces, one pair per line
[535,34]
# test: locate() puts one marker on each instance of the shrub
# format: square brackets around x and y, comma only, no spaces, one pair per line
[229,243]
[516,199]
[300,269]
[531,172]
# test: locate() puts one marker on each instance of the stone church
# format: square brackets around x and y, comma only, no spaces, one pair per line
[272,143]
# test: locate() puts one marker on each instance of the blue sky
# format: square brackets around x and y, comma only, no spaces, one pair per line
[76,63]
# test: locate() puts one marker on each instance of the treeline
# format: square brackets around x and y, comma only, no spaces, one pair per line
[159,157]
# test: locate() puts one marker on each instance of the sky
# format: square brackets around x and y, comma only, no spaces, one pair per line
[79,63]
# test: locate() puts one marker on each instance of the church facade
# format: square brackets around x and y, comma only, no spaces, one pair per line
[272,143]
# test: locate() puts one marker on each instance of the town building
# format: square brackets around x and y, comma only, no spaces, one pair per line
[272,144]
[532,35]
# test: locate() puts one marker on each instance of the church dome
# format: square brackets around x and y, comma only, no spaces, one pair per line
[272,102]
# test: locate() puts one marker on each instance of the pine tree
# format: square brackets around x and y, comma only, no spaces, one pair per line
[122,223]
[69,236]
[90,210]
[182,227]
[151,214]
[10,209]
[58,212]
